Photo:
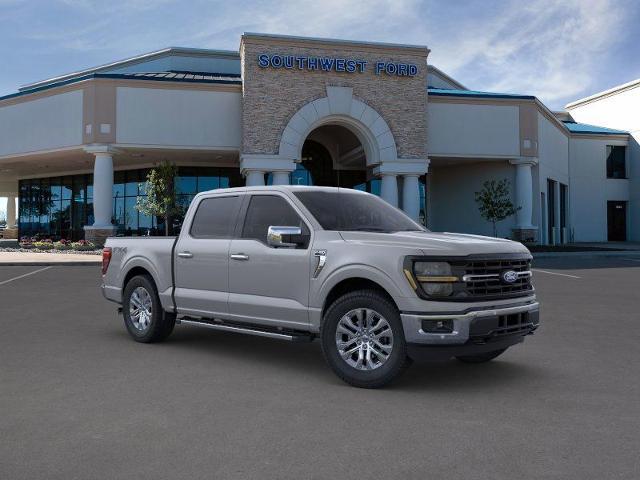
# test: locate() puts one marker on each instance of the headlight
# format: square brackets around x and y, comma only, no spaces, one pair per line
[435,278]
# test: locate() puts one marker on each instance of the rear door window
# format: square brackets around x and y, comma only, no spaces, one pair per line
[215,217]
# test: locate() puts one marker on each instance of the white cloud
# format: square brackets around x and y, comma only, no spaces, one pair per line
[547,48]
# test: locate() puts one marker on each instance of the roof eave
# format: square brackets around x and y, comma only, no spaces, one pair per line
[603,94]
[130,61]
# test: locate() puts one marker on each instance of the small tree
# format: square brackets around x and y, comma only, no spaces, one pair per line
[494,202]
[161,194]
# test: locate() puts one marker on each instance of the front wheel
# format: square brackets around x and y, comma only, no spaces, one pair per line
[481,357]
[363,340]
[144,317]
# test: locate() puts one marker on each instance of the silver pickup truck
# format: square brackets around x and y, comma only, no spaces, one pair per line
[296,263]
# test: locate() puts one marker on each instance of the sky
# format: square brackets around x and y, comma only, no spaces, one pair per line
[557,50]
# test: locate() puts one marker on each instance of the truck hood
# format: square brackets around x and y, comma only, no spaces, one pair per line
[431,243]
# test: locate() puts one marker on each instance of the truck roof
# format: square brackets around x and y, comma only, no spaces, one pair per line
[284,188]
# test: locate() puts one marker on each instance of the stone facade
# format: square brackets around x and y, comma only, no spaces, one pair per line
[272,96]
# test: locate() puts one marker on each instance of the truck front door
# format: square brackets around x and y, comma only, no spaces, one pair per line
[202,257]
[269,285]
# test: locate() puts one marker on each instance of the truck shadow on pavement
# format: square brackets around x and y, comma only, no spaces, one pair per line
[305,360]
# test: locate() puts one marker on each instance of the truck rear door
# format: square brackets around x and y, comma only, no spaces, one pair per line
[202,257]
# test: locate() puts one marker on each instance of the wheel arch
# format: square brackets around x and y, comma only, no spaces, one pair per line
[138,266]
[352,284]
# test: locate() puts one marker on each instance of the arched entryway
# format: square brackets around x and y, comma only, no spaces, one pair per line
[340,140]
[333,156]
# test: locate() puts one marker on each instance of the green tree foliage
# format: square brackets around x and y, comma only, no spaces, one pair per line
[160,200]
[494,202]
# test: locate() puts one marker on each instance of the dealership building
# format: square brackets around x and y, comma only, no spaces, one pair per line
[75,149]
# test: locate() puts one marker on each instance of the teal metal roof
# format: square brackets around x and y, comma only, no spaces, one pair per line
[585,128]
[171,76]
[444,92]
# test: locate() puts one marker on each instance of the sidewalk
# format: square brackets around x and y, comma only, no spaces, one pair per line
[37,259]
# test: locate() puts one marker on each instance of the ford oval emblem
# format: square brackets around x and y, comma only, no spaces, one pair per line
[509,276]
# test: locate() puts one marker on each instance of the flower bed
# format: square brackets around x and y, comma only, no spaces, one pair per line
[46,245]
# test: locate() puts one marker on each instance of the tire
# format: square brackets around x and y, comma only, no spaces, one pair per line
[144,317]
[380,328]
[481,357]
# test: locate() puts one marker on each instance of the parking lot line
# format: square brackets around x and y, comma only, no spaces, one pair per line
[555,273]
[25,275]
[632,259]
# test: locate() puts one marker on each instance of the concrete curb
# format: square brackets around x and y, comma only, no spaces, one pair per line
[617,253]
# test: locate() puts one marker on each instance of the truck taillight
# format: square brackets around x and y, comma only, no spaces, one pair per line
[106,258]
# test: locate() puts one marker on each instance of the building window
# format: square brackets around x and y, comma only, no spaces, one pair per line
[616,161]
[59,207]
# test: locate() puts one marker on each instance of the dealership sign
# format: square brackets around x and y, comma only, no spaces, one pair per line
[334,64]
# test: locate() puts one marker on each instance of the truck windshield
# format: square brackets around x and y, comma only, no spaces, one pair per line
[355,212]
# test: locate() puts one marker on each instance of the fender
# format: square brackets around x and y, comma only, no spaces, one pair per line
[355,270]
[164,291]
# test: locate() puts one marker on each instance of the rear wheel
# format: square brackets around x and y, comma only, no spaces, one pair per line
[363,340]
[481,357]
[144,317]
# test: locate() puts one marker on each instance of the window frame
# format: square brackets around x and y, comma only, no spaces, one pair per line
[244,209]
[626,163]
[232,230]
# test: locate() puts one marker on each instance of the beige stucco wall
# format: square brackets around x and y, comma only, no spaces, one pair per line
[272,96]
[178,117]
[460,129]
[45,123]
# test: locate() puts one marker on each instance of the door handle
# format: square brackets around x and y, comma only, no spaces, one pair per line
[239,256]
[185,255]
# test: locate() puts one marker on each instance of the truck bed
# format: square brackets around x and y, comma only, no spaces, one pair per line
[153,254]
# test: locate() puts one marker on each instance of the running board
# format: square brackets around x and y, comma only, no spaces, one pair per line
[248,330]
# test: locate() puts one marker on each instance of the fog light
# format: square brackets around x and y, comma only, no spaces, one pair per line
[437,326]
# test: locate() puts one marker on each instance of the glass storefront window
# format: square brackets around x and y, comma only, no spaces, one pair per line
[59,207]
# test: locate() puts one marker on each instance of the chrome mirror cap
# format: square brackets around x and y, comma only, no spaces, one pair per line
[279,237]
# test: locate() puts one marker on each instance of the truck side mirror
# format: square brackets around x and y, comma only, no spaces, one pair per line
[285,237]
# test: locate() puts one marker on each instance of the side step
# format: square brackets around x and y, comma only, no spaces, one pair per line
[248,330]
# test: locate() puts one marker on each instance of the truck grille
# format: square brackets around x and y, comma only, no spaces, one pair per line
[483,278]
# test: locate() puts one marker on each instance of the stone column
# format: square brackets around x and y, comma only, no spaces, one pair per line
[410,170]
[102,195]
[389,188]
[11,232]
[11,212]
[280,177]
[254,178]
[524,231]
[411,195]
[254,165]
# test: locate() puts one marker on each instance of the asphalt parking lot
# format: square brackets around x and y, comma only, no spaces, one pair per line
[80,400]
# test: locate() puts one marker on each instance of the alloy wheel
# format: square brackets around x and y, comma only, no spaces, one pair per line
[364,339]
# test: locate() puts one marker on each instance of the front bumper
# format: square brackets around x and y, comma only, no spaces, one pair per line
[478,325]
[474,332]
